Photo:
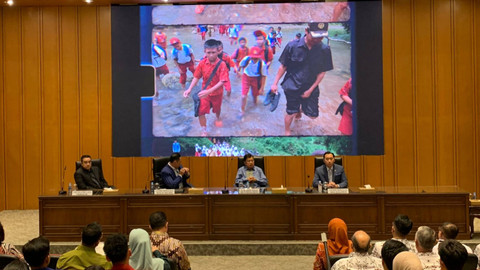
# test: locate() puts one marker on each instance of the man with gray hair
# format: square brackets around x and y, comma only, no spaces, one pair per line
[424,242]
[359,259]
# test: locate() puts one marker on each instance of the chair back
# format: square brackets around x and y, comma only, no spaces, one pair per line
[259,162]
[5,260]
[334,258]
[158,164]
[319,161]
[471,263]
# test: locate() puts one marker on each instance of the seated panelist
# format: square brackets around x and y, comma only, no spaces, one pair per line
[174,175]
[88,176]
[330,173]
[250,175]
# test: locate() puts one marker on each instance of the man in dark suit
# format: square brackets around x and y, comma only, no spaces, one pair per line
[174,175]
[331,173]
[88,176]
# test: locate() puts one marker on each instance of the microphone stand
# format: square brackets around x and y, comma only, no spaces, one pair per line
[308,189]
[62,192]
[225,190]
[146,190]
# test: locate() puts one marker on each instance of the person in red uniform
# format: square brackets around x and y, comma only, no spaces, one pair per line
[241,51]
[211,94]
[267,53]
[161,39]
[230,64]
[184,59]
[346,125]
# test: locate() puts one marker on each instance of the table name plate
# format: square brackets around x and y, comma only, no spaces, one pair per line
[82,192]
[249,191]
[338,191]
[164,191]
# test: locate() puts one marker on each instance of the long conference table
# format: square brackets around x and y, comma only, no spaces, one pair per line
[293,216]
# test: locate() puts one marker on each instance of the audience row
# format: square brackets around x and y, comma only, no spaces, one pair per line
[159,251]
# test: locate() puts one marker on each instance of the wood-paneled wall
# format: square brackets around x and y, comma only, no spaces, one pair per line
[55,79]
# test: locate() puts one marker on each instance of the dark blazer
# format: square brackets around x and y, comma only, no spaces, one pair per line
[168,178]
[339,176]
[84,179]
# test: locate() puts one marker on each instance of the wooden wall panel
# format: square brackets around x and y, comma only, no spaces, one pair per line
[424,94]
[56,103]
[32,107]
[51,149]
[464,94]
[445,115]
[2,121]
[404,92]
[69,91]
[13,109]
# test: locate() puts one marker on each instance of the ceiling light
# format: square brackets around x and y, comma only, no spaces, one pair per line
[88,1]
[9,2]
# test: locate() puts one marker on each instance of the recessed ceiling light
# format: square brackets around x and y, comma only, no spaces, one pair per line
[88,1]
[9,2]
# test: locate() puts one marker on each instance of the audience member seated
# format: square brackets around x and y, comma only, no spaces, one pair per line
[88,176]
[407,260]
[448,231]
[84,255]
[117,251]
[424,242]
[16,265]
[337,243]
[390,249]
[250,175]
[36,253]
[359,259]
[453,255]
[174,175]
[6,248]
[168,246]
[401,227]
[330,173]
[142,258]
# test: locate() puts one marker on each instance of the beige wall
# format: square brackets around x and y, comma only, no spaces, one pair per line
[56,103]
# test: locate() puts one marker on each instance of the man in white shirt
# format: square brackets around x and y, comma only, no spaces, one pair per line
[359,259]
[424,242]
[401,226]
[448,230]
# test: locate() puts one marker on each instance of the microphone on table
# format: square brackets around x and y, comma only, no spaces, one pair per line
[146,190]
[308,189]
[62,192]
[225,190]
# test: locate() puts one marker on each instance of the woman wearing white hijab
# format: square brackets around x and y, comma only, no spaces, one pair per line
[407,261]
[142,259]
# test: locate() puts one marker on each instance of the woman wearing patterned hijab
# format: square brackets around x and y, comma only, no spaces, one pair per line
[142,259]
[337,243]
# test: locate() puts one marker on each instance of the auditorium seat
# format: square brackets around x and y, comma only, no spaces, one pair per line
[53,261]
[471,263]
[334,258]
[6,259]
[319,161]
[158,164]
[259,162]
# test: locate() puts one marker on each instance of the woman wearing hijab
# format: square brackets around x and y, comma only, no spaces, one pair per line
[407,261]
[142,259]
[337,243]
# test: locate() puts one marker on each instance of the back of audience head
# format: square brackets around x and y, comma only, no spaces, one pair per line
[425,239]
[158,220]
[402,225]
[36,252]
[91,234]
[407,260]
[390,249]
[452,255]
[361,242]
[448,230]
[116,248]
[2,233]
[17,264]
